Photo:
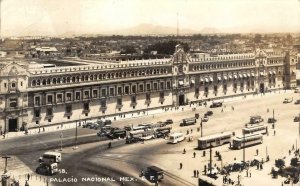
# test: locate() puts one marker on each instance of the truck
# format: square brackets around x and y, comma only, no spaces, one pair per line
[188,121]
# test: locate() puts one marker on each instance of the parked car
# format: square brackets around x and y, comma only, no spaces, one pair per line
[169,121]
[127,128]
[154,174]
[272,120]
[205,119]
[297,102]
[288,100]
[216,104]
[208,113]
[88,125]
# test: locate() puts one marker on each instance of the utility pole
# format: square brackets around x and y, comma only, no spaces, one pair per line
[273,120]
[210,159]
[5,167]
[244,149]
[202,127]
[76,136]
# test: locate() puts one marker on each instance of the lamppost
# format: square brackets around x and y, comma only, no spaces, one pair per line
[273,120]
[201,128]
[244,149]
[5,167]
[61,136]
[76,132]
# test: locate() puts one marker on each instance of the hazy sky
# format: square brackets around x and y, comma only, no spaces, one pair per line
[55,17]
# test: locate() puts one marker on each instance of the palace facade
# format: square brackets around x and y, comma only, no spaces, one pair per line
[40,95]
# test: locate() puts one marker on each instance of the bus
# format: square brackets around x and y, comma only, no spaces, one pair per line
[142,134]
[176,138]
[51,157]
[255,129]
[214,140]
[188,121]
[247,140]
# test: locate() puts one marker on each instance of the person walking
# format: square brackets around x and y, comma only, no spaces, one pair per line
[180,165]
[194,154]
[195,173]
[256,152]
[250,173]
[274,132]
[184,151]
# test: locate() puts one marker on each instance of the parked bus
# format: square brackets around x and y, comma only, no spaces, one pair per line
[176,138]
[255,129]
[247,140]
[51,157]
[214,140]
[142,134]
[188,121]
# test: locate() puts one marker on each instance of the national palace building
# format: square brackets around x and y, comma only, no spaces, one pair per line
[33,95]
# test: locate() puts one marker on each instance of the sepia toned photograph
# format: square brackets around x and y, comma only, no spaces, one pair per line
[149,92]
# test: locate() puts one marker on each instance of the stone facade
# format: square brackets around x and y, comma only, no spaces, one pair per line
[31,97]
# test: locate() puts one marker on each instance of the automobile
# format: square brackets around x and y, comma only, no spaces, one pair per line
[93,126]
[272,120]
[288,100]
[154,174]
[127,128]
[256,119]
[169,121]
[297,102]
[296,119]
[205,119]
[209,113]
[216,104]
[88,125]
[47,168]
[97,126]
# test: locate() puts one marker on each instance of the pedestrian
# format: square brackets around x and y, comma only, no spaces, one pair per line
[195,173]
[194,154]
[223,179]
[289,152]
[184,151]
[222,110]
[43,129]
[250,173]
[256,152]
[198,129]
[274,132]
[180,165]
[293,147]
[109,145]
[247,173]
[191,131]
[205,167]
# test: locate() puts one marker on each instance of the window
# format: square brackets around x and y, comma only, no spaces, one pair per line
[161,95]
[37,100]
[119,90]
[133,99]
[49,99]
[196,90]
[59,98]
[119,101]
[126,89]
[95,93]
[141,88]
[69,96]
[162,85]
[86,94]
[103,92]
[148,87]
[13,85]
[13,102]
[21,83]
[148,97]
[234,85]
[111,91]
[49,112]
[68,109]
[155,86]
[168,85]
[37,113]
[225,88]
[77,95]
[4,85]
[133,87]
[103,103]
[215,88]
[86,106]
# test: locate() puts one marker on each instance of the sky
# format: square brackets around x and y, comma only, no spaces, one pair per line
[56,17]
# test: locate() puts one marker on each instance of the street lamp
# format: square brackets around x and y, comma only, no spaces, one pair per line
[5,167]
[76,132]
[61,136]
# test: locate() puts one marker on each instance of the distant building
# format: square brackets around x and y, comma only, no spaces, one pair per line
[33,95]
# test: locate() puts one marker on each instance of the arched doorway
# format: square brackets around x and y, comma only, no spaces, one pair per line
[12,125]
[181,98]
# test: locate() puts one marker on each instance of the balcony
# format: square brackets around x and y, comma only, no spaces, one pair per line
[161,99]
[133,104]
[50,116]
[148,101]
[119,106]
[68,113]
[84,111]
[103,107]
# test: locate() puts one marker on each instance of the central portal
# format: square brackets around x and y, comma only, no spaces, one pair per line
[12,125]
[181,100]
